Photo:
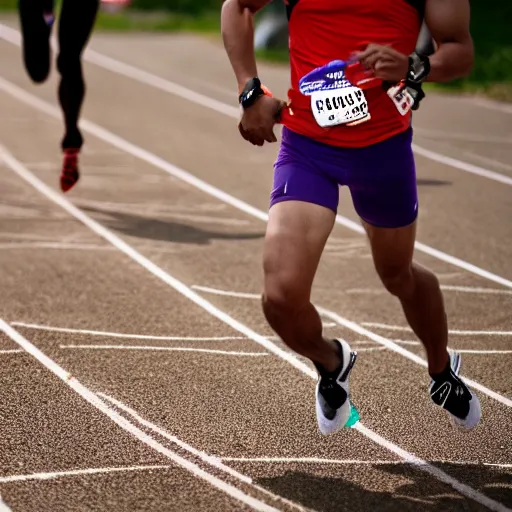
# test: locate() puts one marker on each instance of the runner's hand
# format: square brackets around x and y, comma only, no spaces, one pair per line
[386,63]
[257,123]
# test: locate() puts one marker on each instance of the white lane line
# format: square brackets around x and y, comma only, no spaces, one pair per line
[488,161]
[211,209]
[11,351]
[500,106]
[169,349]
[311,460]
[53,245]
[192,180]
[446,276]
[209,459]
[162,213]
[3,506]
[484,351]
[368,342]
[26,236]
[461,351]
[463,166]
[183,289]
[350,462]
[214,461]
[466,137]
[123,335]
[444,287]
[155,81]
[110,334]
[400,328]
[95,401]
[76,472]
[226,293]
[353,326]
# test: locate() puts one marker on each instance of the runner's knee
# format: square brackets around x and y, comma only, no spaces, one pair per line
[398,280]
[285,290]
[37,75]
[38,68]
[284,295]
[69,65]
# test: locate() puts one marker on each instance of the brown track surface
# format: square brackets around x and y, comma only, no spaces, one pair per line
[251,410]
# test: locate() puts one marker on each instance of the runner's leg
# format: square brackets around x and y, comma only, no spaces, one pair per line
[75,27]
[385,196]
[295,238]
[384,192]
[303,208]
[301,217]
[416,287]
[36,20]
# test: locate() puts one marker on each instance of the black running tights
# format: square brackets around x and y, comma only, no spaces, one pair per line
[76,23]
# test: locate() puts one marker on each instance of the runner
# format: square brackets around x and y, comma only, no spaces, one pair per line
[75,26]
[345,125]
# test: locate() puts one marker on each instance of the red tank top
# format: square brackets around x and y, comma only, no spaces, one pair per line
[324,30]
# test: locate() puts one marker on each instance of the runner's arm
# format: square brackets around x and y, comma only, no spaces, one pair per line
[448,22]
[237,26]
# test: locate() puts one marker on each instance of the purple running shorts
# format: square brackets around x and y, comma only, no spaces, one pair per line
[381,177]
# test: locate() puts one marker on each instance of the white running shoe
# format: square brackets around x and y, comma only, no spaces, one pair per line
[451,393]
[332,392]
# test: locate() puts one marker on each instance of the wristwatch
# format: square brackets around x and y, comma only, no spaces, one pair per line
[252,91]
[419,68]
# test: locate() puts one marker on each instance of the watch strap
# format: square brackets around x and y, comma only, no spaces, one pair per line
[252,91]
[419,68]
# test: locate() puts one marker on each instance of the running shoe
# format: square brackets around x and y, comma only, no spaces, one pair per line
[36,20]
[451,393]
[332,392]
[70,174]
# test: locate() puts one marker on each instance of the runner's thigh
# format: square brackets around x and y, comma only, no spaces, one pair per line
[382,183]
[296,235]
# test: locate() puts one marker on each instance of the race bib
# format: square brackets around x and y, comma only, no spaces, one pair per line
[334,99]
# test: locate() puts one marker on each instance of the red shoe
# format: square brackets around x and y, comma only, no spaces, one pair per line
[69,175]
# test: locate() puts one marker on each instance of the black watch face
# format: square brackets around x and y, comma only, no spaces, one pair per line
[252,91]
[415,75]
[249,94]
[417,70]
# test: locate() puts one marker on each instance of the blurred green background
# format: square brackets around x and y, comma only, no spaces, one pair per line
[491,27]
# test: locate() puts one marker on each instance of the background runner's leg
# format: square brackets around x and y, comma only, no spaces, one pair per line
[36,29]
[75,26]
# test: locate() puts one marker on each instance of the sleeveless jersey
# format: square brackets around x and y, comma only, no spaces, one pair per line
[321,31]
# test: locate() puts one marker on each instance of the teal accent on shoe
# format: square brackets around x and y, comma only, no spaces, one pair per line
[354,416]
